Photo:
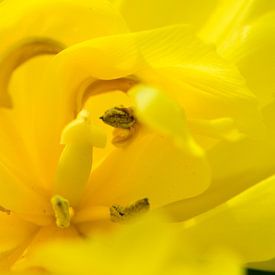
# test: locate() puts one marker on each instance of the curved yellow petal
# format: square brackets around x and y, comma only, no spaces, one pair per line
[150,166]
[124,253]
[251,47]
[235,167]
[245,224]
[33,28]
[171,58]
[148,14]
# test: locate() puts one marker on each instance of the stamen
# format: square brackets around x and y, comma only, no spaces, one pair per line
[62,210]
[119,117]
[20,53]
[120,213]
[124,122]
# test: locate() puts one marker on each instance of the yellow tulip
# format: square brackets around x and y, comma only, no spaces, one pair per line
[191,135]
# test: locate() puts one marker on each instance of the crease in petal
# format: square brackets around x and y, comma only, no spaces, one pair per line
[35,33]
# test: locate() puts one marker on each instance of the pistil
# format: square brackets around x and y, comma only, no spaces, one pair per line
[75,162]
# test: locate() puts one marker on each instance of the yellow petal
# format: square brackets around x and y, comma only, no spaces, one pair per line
[66,21]
[184,67]
[21,199]
[142,14]
[33,28]
[245,224]
[251,48]
[230,15]
[222,128]
[123,253]
[235,167]
[43,236]
[152,167]
[14,231]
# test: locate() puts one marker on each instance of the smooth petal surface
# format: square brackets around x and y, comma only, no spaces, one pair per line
[235,167]
[124,252]
[142,14]
[149,167]
[245,224]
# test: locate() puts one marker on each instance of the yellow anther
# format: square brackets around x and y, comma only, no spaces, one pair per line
[75,162]
[120,213]
[62,211]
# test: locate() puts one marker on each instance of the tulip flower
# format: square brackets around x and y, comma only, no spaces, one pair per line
[110,109]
